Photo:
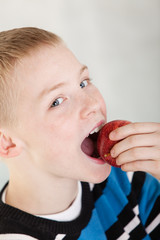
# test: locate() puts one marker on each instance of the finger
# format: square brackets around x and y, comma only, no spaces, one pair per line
[140,153]
[149,139]
[152,167]
[134,128]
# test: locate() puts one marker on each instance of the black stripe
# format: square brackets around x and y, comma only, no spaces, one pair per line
[138,233]
[155,234]
[126,215]
[137,183]
[98,190]
[155,211]
[69,237]
[132,199]
[136,187]
[115,231]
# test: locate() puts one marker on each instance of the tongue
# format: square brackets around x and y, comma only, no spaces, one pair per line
[87,146]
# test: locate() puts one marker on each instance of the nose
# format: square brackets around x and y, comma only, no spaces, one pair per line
[89,105]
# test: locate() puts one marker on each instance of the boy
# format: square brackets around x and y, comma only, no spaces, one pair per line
[48,108]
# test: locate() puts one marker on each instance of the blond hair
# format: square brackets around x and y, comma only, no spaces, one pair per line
[14,45]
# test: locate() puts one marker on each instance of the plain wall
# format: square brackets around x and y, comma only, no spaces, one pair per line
[118,40]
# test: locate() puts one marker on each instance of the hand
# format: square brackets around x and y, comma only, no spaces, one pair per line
[139,149]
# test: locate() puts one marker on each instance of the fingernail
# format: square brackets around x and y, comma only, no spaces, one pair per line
[111,135]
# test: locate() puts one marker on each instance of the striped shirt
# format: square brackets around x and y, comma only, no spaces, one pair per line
[114,209]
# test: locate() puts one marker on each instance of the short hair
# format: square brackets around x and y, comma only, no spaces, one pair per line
[14,45]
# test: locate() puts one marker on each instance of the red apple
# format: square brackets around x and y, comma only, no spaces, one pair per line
[104,144]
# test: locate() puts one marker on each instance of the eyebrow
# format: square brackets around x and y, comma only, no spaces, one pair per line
[47,91]
[59,85]
[84,67]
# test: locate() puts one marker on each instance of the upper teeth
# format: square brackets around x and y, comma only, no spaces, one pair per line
[96,129]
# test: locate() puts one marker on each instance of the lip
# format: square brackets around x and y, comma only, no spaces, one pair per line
[102,122]
[97,160]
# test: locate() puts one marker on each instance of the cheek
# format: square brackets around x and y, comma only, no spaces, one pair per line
[103,104]
[57,137]
[57,150]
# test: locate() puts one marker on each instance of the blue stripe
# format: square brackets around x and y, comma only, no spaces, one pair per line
[146,238]
[94,229]
[121,178]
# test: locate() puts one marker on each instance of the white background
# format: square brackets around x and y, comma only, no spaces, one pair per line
[119,40]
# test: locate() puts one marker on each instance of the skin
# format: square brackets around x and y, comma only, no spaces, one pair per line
[44,153]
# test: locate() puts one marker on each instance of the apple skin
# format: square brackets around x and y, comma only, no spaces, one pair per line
[104,144]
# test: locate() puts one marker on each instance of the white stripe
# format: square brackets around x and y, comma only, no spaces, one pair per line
[60,236]
[124,236]
[153,224]
[91,186]
[132,224]
[16,237]
[130,176]
[136,210]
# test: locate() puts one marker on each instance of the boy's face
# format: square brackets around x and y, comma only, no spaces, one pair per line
[58,108]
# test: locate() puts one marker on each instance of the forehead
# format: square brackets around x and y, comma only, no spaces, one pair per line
[45,65]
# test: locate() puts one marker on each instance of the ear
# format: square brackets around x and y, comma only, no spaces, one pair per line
[8,148]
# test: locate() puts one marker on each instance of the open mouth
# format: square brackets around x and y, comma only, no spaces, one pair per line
[89,144]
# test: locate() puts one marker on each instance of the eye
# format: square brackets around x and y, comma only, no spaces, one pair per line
[57,102]
[84,83]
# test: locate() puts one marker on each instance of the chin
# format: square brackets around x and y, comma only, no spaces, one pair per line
[98,174]
[102,176]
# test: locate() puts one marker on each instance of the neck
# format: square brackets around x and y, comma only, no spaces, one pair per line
[40,194]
